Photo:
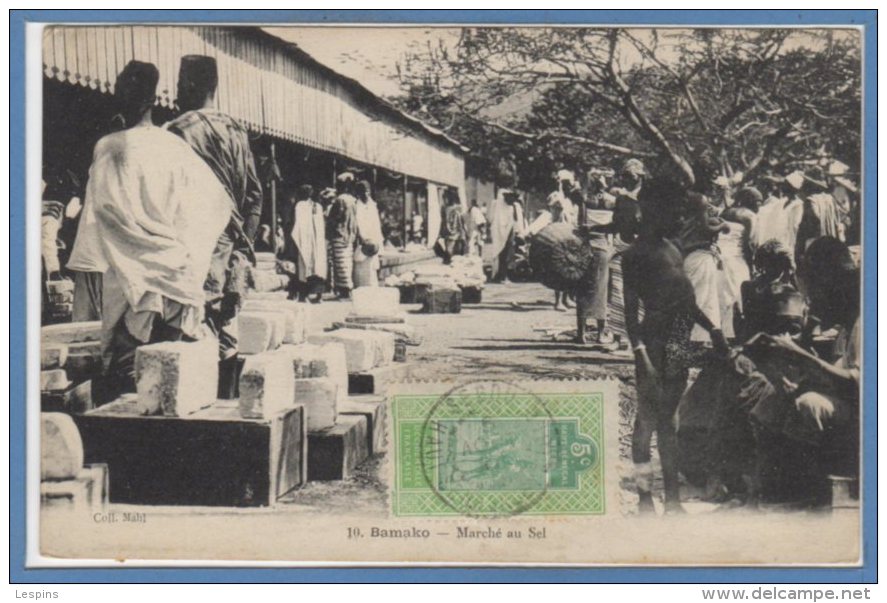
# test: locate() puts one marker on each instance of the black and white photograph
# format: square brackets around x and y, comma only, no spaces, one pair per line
[450,294]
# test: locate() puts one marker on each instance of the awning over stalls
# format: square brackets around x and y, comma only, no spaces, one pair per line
[272,86]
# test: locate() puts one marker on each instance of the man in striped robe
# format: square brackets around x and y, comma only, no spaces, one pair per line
[224,145]
[342,234]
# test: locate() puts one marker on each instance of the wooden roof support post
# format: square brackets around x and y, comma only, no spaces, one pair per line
[404,219]
[273,201]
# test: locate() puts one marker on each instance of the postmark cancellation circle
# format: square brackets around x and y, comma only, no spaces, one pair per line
[484,449]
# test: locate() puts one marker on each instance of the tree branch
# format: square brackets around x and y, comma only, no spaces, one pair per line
[566,136]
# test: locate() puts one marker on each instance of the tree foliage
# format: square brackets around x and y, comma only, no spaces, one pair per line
[695,102]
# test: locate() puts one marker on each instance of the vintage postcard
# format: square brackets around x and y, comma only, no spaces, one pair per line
[573,295]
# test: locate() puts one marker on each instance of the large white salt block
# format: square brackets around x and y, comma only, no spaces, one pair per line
[295,316]
[375,301]
[72,332]
[267,295]
[266,385]
[177,378]
[316,361]
[61,449]
[259,330]
[402,332]
[319,396]
[53,380]
[364,350]
[53,355]
[268,280]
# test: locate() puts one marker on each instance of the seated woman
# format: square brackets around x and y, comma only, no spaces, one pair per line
[826,393]
[773,268]
[731,419]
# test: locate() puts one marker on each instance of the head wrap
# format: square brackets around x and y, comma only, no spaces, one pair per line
[345,177]
[796,179]
[837,168]
[565,175]
[634,167]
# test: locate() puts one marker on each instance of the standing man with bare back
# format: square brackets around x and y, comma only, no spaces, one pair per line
[654,275]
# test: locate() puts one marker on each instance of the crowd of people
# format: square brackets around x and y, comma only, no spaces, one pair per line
[760,290]
[167,233]
[754,282]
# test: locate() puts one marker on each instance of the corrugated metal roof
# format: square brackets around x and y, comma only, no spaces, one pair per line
[363,92]
[271,85]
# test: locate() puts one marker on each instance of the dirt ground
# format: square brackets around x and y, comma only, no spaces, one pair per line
[511,334]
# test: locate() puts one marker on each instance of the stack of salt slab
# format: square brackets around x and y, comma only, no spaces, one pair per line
[370,337]
[268,320]
[174,443]
[70,356]
[378,309]
[314,375]
[468,273]
[437,289]
[265,275]
[65,483]
[371,330]
[281,370]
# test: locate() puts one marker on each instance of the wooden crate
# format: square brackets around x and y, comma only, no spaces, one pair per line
[472,295]
[213,457]
[335,452]
[377,380]
[442,300]
[375,409]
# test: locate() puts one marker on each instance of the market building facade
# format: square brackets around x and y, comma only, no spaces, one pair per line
[307,122]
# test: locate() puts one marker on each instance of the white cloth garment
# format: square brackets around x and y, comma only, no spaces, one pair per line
[736,272]
[87,255]
[434,217]
[159,211]
[369,230]
[779,218]
[500,216]
[310,240]
[701,267]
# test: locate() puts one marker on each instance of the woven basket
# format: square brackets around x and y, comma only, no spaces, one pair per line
[561,259]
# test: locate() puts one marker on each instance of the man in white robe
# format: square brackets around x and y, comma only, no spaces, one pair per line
[309,238]
[369,238]
[158,211]
[506,220]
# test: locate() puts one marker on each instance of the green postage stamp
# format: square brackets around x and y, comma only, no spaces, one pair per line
[493,448]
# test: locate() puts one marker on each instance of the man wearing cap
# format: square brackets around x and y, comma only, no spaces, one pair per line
[157,211]
[224,145]
[342,233]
